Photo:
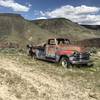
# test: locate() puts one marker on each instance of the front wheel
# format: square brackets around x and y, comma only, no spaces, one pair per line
[64,61]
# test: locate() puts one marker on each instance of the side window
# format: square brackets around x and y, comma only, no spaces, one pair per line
[51,42]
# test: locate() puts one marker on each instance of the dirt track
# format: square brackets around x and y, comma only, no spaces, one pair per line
[29,82]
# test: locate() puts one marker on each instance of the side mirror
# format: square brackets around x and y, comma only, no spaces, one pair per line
[29,46]
[44,45]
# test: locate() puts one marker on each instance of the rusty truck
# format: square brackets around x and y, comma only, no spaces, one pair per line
[60,50]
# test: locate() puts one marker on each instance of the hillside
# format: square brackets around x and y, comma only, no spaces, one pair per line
[14,28]
[67,28]
[17,31]
[94,42]
[22,78]
[93,27]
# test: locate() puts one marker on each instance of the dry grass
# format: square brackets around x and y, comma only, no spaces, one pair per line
[22,78]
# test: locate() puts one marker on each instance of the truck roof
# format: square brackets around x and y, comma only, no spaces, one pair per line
[58,38]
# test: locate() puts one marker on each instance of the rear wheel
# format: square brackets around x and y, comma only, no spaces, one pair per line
[64,61]
[34,56]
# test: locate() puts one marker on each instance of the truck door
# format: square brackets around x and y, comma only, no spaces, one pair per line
[51,48]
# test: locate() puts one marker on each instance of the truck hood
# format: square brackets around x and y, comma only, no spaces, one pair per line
[72,48]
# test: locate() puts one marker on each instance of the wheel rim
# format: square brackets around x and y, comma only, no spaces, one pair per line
[64,63]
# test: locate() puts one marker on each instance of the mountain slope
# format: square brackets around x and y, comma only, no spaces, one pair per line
[15,29]
[66,27]
[93,27]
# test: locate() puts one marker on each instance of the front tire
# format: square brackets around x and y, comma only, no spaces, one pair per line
[64,62]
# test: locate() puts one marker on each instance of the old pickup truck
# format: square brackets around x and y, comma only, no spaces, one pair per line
[61,51]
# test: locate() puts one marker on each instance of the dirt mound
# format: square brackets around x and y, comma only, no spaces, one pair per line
[94,42]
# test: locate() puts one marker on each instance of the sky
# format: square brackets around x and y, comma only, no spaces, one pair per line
[80,11]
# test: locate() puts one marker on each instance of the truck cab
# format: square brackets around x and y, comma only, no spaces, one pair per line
[55,45]
[60,50]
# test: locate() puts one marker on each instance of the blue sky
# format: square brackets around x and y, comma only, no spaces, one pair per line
[81,11]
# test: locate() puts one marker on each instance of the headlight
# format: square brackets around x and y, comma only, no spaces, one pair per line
[76,53]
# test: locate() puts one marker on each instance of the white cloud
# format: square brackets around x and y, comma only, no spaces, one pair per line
[82,14]
[14,5]
[41,18]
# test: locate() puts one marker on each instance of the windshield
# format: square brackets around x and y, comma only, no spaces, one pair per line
[63,41]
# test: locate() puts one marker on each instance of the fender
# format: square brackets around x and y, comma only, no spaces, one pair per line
[65,52]
[62,53]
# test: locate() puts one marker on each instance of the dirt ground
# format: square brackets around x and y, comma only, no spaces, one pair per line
[25,79]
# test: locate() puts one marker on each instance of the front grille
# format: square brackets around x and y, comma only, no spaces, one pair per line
[82,56]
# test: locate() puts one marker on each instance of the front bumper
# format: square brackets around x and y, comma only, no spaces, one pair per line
[81,58]
[82,62]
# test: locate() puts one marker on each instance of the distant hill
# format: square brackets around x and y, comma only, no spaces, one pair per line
[14,29]
[66,27]
[93,27]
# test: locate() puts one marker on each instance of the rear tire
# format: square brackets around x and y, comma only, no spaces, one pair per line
[34,56]
[64,61]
